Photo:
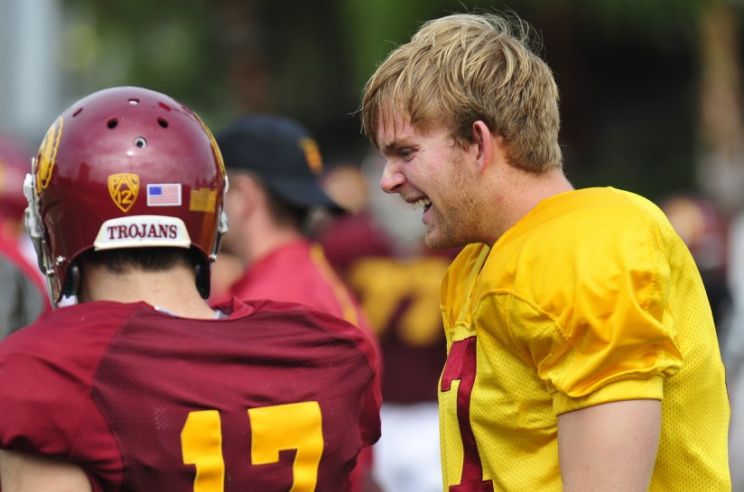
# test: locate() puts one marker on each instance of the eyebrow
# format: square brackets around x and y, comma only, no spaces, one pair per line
[389,148]
[393,147]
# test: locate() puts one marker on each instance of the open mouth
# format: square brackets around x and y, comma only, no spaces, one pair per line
[423,203]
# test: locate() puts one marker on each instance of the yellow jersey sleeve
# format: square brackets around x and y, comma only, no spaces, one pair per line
[595,324]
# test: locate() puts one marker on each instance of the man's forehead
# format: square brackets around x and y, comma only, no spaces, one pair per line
[394,127]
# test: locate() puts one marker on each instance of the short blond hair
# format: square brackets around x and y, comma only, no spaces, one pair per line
[465,67]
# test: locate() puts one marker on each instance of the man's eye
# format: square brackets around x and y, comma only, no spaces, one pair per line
[405,153]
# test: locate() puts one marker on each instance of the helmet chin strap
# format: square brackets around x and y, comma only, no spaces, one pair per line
[203,270]
[72,283]
[202,279]
[222,226]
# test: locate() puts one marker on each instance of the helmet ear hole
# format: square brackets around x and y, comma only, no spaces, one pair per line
[163,122]
[112,123]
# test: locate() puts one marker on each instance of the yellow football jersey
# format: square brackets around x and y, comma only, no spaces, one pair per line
[590,298]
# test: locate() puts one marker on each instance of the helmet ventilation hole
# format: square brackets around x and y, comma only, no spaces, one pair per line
[163,122]
[77,112]
[112,123]
[140,142]
[133,101]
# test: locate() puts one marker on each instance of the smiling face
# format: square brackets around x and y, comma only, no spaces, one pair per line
[429,170]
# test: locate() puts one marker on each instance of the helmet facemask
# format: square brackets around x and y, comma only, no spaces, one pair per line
[37,233]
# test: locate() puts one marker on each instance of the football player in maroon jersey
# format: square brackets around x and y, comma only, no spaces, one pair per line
[142,386]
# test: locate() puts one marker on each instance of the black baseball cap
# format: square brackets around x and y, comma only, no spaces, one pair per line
[282,153]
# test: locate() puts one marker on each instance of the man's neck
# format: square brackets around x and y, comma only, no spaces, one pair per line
[173,290]
[261,242]
[520,192]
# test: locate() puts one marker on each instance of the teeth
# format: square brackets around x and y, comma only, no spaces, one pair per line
[421,203]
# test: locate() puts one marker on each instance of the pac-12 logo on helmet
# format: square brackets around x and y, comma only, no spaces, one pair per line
[95,163]
[124,189]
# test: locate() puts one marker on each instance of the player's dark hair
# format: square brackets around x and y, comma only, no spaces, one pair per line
[155,259]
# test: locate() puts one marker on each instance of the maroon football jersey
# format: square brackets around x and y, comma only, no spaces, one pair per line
[272,397]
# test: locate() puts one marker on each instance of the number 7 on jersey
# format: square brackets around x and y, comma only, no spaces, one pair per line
[461,365]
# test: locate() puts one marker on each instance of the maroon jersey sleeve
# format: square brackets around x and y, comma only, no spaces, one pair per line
[46,372]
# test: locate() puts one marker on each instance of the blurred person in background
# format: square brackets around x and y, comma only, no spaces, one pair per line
[274,166]
[703,229]
[381,254]
[581,348]
[23,291]
[734,348]
[142,385]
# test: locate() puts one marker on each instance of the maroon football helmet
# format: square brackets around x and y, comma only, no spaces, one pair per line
[125,168]
[15,163]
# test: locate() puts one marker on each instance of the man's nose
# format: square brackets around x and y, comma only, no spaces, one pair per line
[392,179]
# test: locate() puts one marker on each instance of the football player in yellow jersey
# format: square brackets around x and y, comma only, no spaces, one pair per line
[582,353]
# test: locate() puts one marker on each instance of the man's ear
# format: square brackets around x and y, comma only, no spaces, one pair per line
[483,142]
[245,194]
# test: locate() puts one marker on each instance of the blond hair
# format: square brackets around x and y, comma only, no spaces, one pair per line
[465,67]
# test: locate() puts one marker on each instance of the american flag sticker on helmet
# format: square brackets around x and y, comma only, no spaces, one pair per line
[164,195]
[203,200]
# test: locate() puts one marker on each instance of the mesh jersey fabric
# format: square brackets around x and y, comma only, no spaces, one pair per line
[142,400]
[590,298]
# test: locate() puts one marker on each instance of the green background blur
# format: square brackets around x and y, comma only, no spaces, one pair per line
[649,88]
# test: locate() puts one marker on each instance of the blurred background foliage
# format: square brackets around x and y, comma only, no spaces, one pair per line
[650,89]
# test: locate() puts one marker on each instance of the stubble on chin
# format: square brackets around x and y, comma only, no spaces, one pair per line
[440,237]
[456,230]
